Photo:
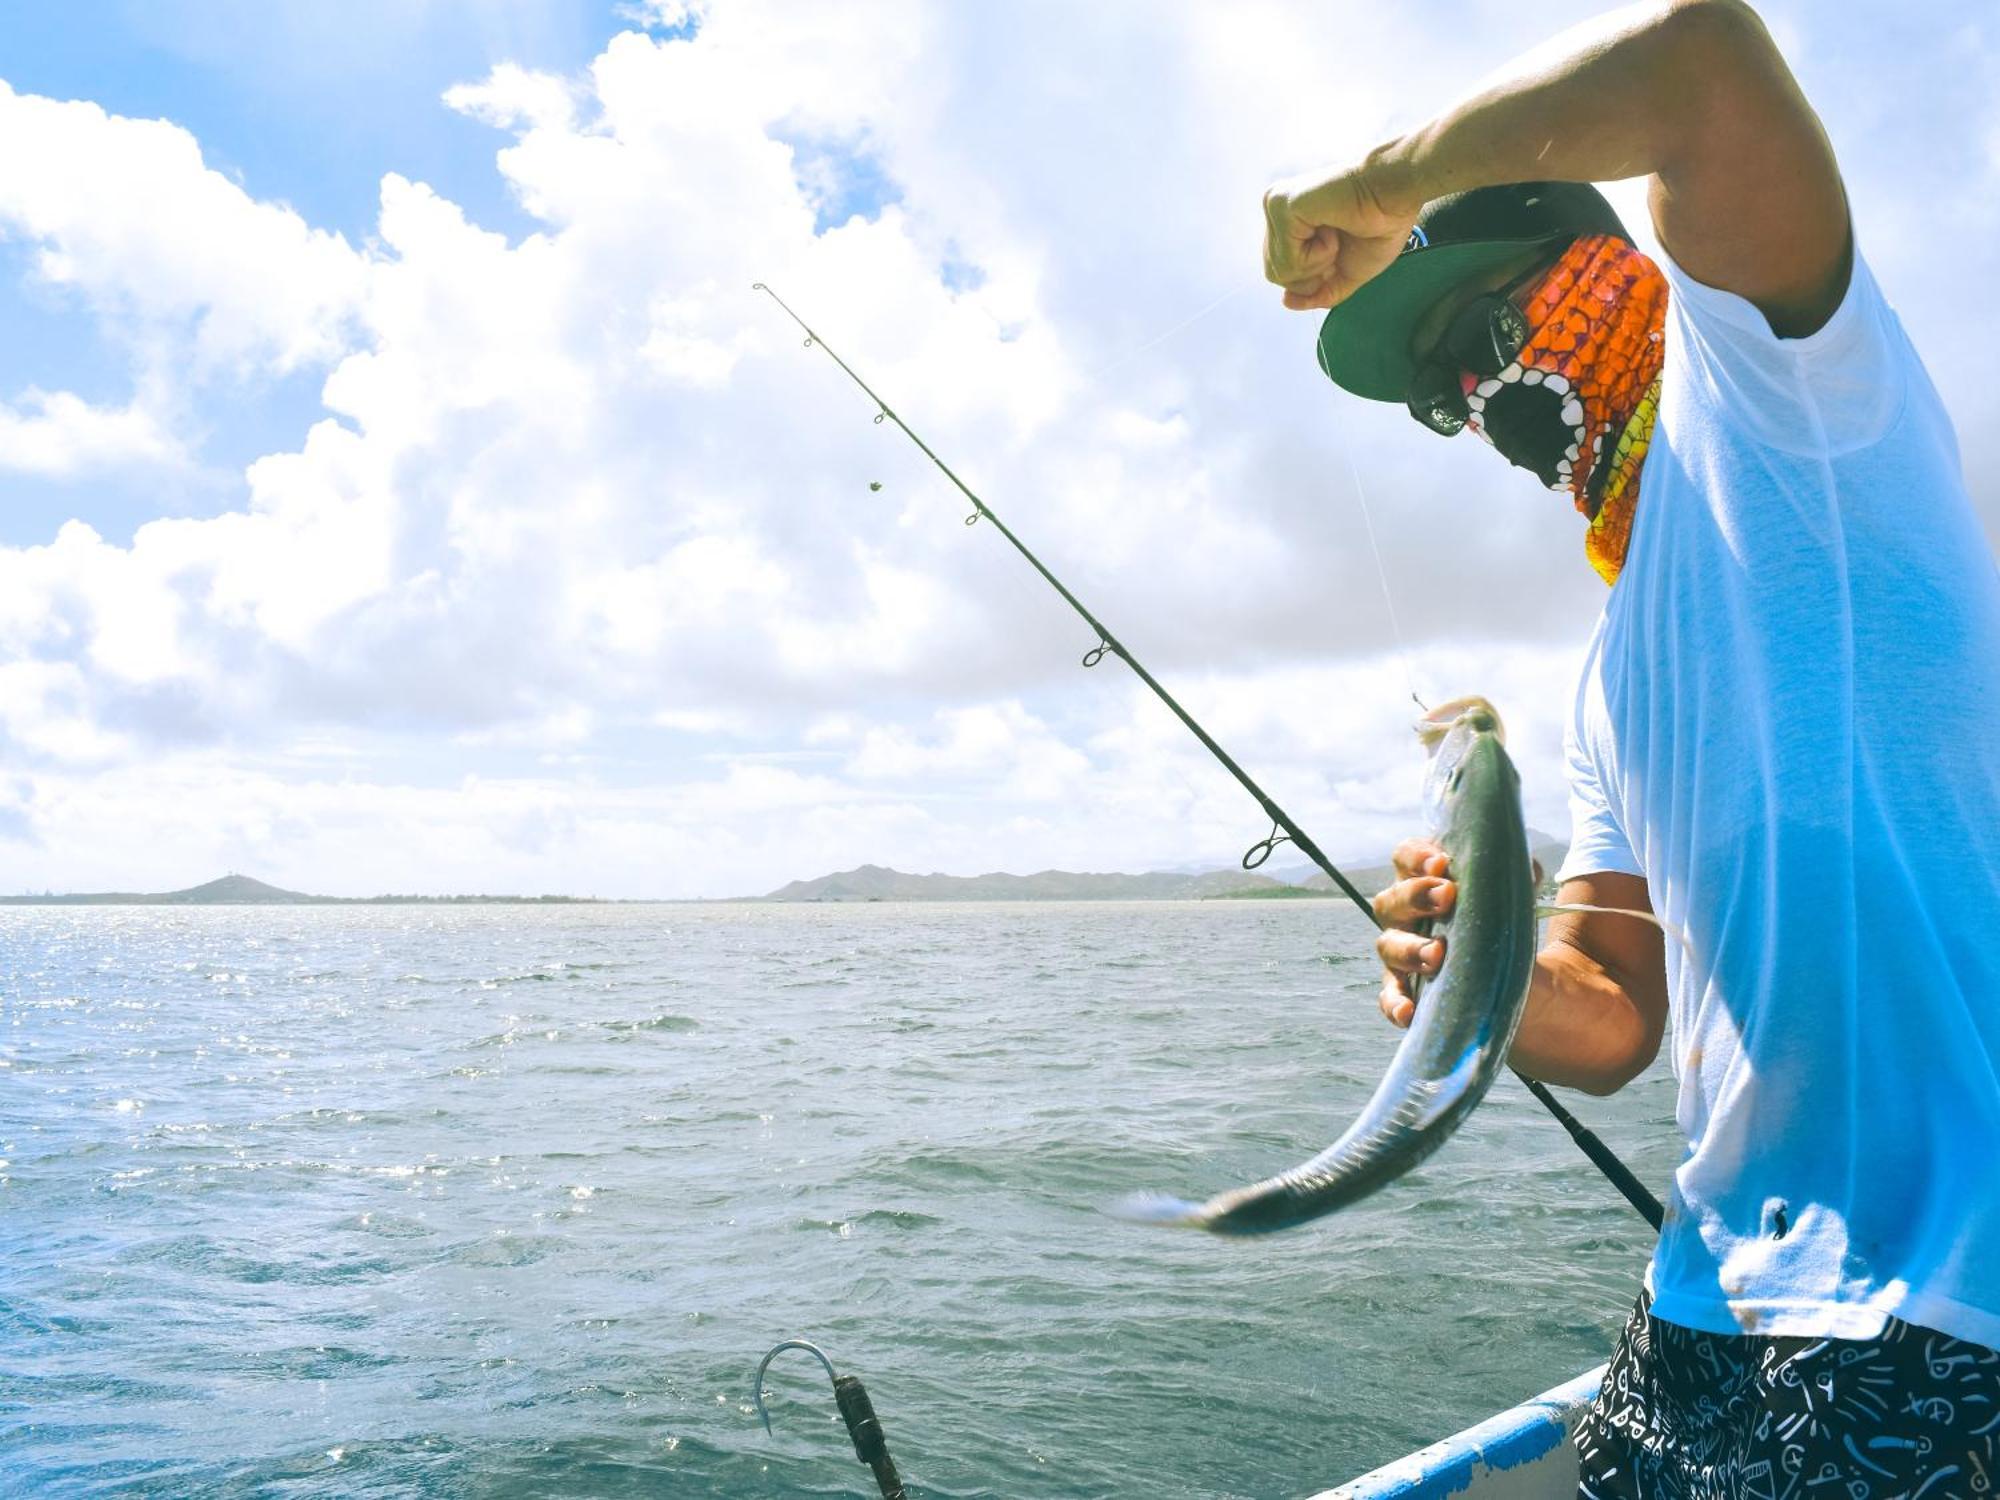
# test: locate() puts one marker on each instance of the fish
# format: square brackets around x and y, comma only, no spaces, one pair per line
[1465,1020]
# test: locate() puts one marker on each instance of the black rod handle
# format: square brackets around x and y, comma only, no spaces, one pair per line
[871,1444]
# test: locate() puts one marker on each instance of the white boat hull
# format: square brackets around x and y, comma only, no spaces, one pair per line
[1523,1454]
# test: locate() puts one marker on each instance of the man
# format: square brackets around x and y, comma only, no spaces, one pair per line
[1784,739]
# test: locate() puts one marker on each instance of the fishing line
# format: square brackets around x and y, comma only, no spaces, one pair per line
[1623,911]
[1153,343]
[1388,594]
[1283,829]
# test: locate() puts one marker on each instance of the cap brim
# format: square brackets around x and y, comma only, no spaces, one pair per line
[1364,344]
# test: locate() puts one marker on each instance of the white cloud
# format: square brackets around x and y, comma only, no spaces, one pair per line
[125,213]
[665,15]
[1013,753]
[581,494]
[513,96]
[44,710]
[56,434]
[1117,784]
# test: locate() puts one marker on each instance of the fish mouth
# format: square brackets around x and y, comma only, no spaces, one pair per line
[1474,714]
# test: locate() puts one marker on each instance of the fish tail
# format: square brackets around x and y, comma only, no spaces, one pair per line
[1160,1208]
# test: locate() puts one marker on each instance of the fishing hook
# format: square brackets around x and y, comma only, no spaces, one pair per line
[864,1429]
[764,1364]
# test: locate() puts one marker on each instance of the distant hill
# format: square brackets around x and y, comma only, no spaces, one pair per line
[879,883]
[230,890]
[241,890]
[234,890]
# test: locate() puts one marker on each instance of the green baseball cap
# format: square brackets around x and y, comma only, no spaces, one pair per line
[1364,344]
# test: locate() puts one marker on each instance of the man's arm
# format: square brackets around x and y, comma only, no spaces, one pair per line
[1597,1006]
[1745,192]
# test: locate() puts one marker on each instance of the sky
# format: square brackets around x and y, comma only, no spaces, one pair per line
[402,488]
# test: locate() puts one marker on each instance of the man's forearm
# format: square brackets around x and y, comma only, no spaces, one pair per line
[1581,1029]
[1619,97]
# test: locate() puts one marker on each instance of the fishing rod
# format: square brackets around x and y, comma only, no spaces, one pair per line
[1283,829]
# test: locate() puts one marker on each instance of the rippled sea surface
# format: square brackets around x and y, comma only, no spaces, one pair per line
[509,1201]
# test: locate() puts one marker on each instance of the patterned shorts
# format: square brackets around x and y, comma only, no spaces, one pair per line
[1686,1415]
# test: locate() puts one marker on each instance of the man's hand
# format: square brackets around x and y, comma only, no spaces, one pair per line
[1597,1006]
[1325,236]
[1406,908]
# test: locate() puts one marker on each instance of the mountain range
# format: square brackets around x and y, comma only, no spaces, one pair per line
[863,883]
[879,883]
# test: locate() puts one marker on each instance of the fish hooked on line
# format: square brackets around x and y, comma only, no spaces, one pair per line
[1458,1041]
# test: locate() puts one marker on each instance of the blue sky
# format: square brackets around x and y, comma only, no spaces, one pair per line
[400,488]
[307,104]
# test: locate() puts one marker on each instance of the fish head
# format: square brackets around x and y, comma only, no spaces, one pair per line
[1466,740]
[1472,715]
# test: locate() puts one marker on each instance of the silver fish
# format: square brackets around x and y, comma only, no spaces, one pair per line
[1465,1023]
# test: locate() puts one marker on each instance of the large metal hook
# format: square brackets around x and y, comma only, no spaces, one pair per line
[813,1349]
[864,1429]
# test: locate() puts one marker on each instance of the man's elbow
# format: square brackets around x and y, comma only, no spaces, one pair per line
[1725,23]
[1629,1049]
[1709,39]
[1610,1077]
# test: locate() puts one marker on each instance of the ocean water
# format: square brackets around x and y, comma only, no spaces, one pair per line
[509,1201]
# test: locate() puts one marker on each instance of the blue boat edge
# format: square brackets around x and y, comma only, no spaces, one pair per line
[1523,1452]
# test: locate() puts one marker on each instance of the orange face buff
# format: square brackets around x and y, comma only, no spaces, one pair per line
[1576,406]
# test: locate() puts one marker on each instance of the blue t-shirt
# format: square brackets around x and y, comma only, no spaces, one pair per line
[1789,724]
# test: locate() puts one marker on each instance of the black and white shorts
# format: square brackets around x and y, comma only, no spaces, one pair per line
[1687,1415]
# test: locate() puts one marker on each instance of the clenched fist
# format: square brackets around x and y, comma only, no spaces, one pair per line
[1326,235]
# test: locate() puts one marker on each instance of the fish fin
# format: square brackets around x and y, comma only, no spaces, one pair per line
[1159,1208]
[1620,911]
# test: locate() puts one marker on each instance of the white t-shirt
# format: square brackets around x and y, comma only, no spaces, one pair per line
[1789,724]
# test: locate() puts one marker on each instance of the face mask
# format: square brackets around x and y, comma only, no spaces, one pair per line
[1575,404]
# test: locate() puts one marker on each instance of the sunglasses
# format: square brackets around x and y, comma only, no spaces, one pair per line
[1483,338]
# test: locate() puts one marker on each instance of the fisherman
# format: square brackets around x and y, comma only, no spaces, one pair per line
[1784,739]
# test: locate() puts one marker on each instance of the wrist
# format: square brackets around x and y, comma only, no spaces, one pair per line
[1391,176]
